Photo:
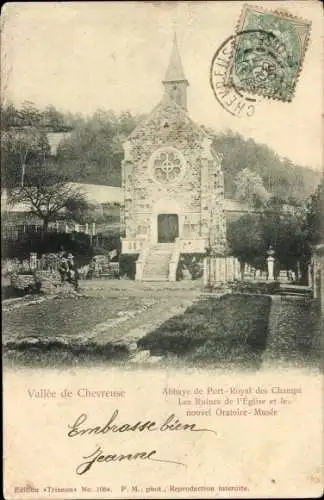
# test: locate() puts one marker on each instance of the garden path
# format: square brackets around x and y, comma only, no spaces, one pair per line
[109,310]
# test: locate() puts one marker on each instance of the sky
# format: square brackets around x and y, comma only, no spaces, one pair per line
[84,56]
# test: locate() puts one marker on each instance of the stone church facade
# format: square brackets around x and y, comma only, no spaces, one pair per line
[173,185]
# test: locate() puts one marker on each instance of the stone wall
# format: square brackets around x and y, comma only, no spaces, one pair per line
[196,195]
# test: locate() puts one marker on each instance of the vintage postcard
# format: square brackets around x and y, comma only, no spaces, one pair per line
[162,201]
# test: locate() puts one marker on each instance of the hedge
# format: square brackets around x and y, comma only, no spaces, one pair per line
[79,244]
[255,287]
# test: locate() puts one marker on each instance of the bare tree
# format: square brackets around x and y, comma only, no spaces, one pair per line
[49,195]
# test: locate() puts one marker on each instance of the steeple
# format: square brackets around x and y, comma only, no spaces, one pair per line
[175,82]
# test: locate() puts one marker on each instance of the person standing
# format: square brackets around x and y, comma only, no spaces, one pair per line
[63,267]
[73,274]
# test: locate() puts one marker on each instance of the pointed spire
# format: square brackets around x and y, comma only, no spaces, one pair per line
[175,71]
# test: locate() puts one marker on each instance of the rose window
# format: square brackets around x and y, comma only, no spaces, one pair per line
[167,165]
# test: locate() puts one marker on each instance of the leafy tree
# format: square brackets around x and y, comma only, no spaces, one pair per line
[53,119]
[245,239]
[250,188]
[93,152]
[285,232]
[314,216]
[251,236]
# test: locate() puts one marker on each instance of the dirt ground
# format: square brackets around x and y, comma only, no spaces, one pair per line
[105,323]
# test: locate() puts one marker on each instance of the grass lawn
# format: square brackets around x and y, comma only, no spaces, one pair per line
[64,316]
[228,328]
[295,331]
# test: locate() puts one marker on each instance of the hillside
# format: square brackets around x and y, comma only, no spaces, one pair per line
[281,177]
[89,149]
[94,155]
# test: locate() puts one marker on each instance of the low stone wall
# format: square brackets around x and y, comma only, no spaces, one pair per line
[221,270]
[45,282]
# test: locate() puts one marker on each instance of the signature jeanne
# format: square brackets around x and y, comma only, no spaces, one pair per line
[170,424]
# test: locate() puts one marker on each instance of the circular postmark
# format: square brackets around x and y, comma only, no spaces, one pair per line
[247,65]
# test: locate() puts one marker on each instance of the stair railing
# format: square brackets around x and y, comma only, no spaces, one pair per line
[140,263]
[173,264]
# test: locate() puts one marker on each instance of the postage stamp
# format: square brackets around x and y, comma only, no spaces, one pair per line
[268,53]
[237,102]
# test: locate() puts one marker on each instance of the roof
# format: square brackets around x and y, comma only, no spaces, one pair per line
[166,101]
[175,71]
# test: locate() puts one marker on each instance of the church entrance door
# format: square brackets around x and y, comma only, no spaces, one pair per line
[168,228]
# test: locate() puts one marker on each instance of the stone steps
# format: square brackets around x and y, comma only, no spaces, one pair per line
[157,264]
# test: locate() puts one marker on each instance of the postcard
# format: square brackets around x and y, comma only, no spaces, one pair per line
[162,208]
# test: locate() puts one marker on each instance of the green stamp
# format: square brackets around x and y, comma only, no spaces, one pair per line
[268,53]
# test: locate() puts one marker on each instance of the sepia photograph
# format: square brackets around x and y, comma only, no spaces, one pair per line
[162,270]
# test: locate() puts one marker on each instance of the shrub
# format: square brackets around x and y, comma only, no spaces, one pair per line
[78,244]
[260,287]
[193,263]
[127,266]
[106,242]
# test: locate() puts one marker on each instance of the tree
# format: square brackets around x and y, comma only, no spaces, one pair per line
[250,188]
[245,239]
[53,119]
[280,177]
[23,142]
[314,215]
[25,139]
[251,236]
[49,195]
[93,152]
[285,232]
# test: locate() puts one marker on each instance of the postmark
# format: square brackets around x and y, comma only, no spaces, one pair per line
[268,55]
[237,102]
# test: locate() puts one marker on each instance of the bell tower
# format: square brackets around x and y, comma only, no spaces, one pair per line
[175,82]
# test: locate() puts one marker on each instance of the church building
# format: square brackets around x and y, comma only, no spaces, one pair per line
[173,185]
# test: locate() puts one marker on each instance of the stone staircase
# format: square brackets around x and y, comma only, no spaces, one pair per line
[156,267]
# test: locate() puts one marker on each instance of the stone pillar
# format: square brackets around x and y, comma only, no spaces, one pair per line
[270,263]
[218,220]
[33,261]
